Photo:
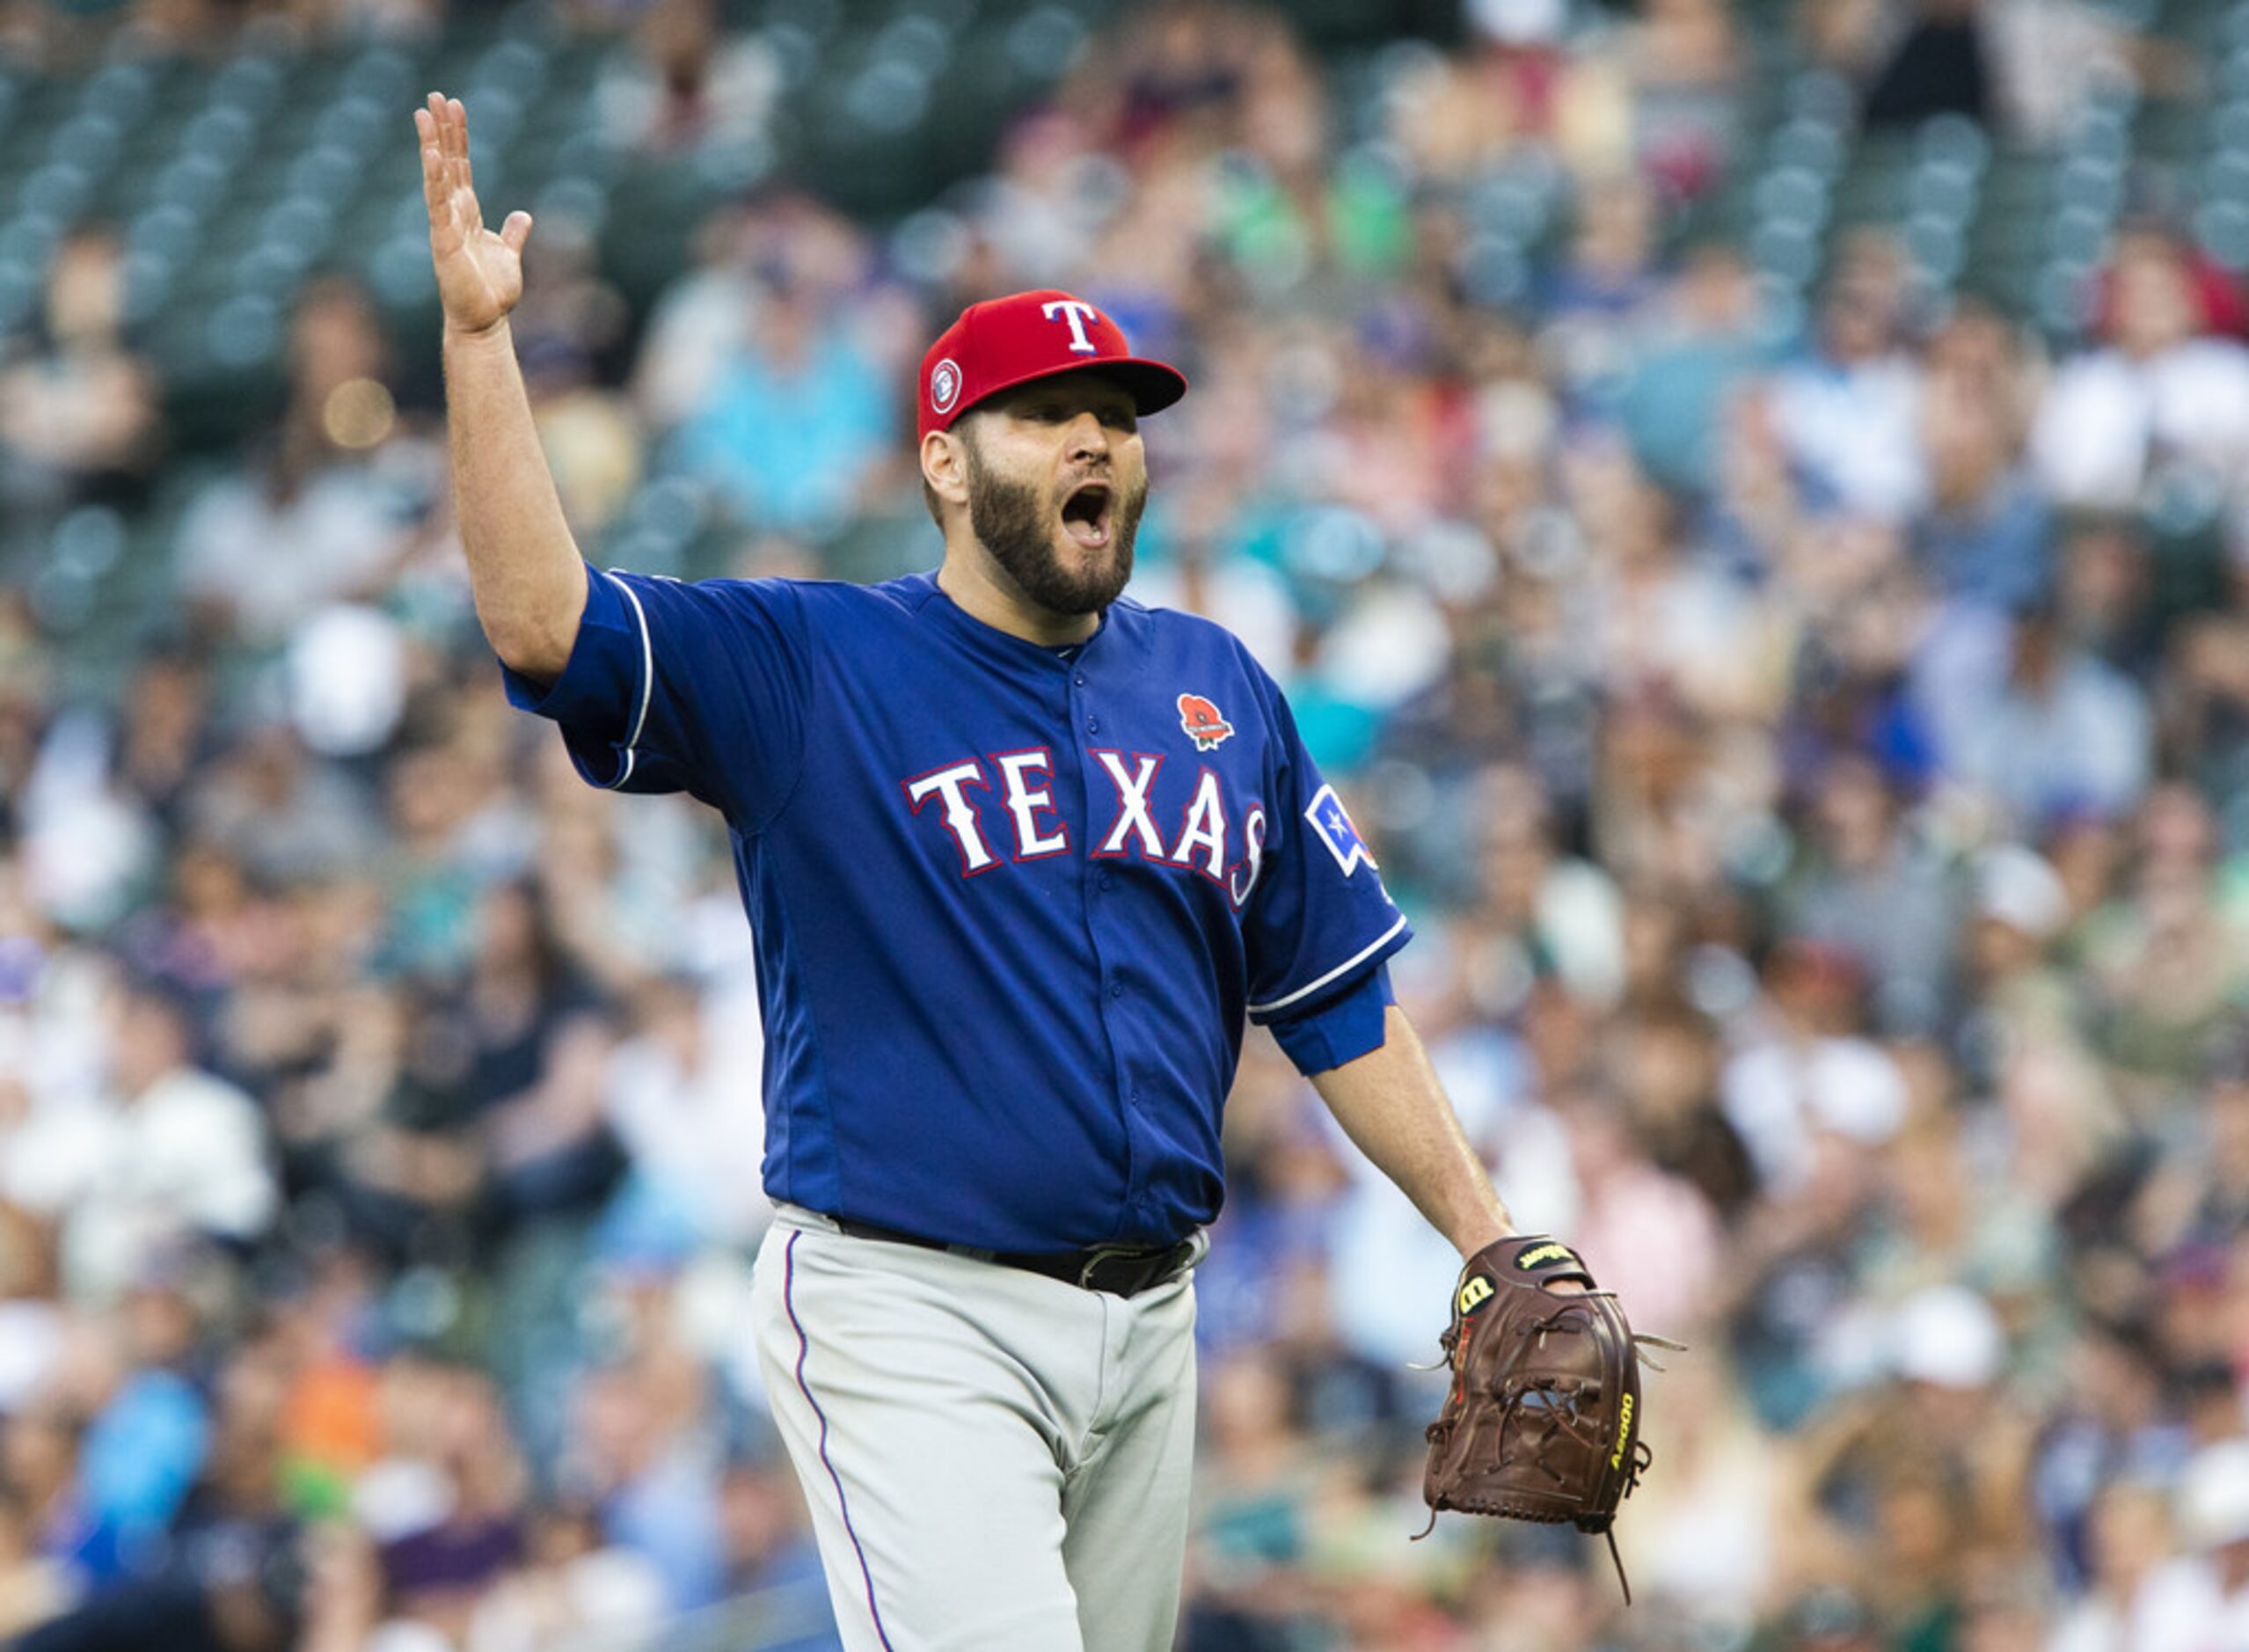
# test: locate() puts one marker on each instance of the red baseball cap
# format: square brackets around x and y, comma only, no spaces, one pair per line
[1003,343]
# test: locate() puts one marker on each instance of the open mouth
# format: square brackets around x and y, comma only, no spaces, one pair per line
[1086,514]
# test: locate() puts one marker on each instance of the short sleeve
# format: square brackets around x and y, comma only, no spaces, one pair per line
[1320,918]
[678,687]
[1324,1033]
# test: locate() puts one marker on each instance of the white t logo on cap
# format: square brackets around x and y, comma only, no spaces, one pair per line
[1077,313]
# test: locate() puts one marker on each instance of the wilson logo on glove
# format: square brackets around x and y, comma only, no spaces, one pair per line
[1546,1255]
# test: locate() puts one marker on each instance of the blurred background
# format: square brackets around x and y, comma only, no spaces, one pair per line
[1750,502]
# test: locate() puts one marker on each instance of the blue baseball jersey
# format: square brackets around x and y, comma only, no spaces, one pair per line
[1011,905]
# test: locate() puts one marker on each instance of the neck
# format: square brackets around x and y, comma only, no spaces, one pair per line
[984,591]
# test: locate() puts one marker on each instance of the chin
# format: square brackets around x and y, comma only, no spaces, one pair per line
[1086,580]
[1084,561]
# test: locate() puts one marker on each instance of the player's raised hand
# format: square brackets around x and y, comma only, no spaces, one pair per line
[479,275]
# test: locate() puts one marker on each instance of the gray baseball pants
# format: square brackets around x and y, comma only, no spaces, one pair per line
[995,1461]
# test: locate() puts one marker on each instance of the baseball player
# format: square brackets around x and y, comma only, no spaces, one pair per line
[1020,856]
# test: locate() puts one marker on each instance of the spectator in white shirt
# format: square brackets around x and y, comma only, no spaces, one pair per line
[2024,715]
[1801,1069]
[171,1153]
[2200,1603]
[686,1109]
[1851,415]
[2162,397]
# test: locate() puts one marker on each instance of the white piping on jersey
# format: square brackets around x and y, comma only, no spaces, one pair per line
[647,679]
[1345,968]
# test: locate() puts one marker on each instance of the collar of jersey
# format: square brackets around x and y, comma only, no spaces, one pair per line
[1005,645]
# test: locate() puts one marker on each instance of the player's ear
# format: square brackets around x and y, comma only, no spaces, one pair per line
[944,467]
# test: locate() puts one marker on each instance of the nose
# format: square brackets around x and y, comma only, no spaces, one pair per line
[1088,438]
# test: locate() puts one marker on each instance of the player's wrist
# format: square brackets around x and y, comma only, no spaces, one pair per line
[1473,1239]
[1487,1225]
[492,335]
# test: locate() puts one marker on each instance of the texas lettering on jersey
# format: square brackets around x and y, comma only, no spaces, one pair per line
[1017,788]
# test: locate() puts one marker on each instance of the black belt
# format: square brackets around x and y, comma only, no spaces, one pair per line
[1122,1270]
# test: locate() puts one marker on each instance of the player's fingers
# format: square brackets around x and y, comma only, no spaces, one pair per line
[460,184]
[437,168]
[459,123]
[515,231]
[433,117]
[434,195]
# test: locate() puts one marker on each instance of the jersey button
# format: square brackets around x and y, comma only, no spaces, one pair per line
[1116,989]
[1079,680]
[1093,725]
[1106,881]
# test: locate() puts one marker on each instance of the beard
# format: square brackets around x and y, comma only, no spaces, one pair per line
[1017,523]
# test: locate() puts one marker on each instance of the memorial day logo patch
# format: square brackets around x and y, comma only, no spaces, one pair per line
[1203,724]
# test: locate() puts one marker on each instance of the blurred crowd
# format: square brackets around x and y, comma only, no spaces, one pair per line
[1813,744]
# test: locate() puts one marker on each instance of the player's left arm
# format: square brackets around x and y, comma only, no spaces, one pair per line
[1391,1106]
[1318,931]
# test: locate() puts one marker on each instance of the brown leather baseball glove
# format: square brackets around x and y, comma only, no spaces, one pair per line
[1542,1421]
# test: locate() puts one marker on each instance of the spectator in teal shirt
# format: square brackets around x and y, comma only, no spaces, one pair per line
[792,426]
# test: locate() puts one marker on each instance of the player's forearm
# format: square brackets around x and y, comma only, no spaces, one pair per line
[1390,1104]
[529,580]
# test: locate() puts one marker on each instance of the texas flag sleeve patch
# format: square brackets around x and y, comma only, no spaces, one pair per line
[1334,829]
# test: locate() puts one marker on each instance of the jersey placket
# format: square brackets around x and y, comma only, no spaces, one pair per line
[1098,891]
